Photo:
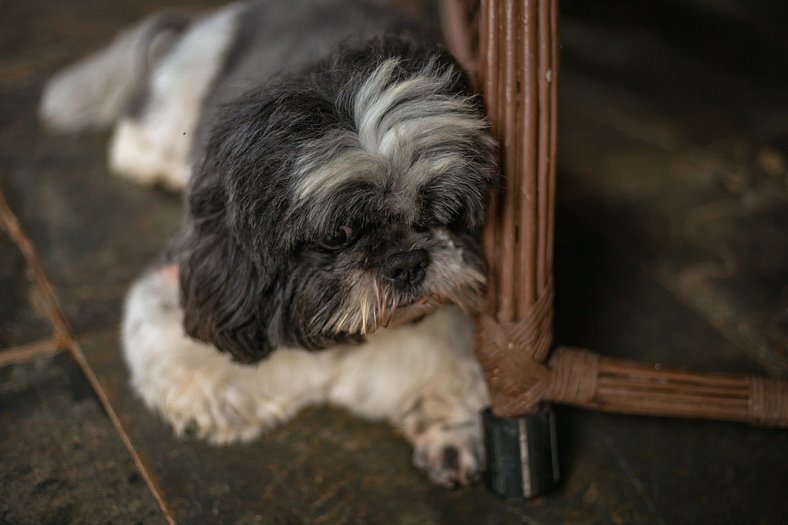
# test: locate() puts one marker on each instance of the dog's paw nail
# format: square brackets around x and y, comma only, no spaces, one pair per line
[191,429]
[449,456]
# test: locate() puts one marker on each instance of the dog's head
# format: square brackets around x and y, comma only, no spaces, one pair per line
[338,201]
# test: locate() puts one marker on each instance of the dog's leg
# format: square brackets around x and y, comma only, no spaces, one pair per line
[197,389]
[153,144]
[425,379]
[95,92]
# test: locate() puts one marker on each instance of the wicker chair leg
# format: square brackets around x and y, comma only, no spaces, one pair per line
[518,75]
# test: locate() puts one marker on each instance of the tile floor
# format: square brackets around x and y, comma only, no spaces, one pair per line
[671,247]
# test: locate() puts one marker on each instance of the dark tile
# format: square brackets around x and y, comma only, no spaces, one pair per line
[680,157]
[61,459]
[39,36]
[605,301]
[719,246]
[326,465]
[711,74]
[654,470]
[93,231]
[20,320]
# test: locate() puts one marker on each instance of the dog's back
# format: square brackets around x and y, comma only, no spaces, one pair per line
[158,83]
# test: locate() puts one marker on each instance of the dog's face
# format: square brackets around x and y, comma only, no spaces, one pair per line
[338,201]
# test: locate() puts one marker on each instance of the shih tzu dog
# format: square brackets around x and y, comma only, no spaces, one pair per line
[337,168]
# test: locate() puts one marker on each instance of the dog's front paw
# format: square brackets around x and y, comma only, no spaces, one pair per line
[451,455]
[219,414]
[205,405]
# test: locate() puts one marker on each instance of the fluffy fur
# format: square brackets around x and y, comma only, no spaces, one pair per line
[337,172]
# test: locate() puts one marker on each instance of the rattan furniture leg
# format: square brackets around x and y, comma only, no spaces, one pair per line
[514,59]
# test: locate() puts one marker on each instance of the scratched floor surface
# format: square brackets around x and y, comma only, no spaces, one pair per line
[671,247]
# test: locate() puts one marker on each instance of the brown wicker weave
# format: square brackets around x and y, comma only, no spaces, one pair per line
[517,61]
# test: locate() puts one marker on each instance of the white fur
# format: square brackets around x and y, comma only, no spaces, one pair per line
[395,121]
[155,147]
[421,377]
[370,305]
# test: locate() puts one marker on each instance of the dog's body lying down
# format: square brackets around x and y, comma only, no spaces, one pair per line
[337,170]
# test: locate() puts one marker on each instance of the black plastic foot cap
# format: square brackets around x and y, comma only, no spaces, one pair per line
[522,460]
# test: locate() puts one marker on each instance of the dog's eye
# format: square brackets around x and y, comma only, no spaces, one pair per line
[340,238]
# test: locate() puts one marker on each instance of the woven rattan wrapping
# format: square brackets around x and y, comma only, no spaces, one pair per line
[517,73]
[581,378]
[518,53]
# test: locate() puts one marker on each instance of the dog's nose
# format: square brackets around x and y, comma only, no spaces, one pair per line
[406,269]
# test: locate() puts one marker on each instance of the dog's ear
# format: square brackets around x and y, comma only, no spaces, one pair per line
[221,287]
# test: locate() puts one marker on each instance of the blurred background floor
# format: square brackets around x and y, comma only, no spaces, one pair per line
[671,247]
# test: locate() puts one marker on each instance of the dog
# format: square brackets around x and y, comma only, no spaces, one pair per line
[337,167]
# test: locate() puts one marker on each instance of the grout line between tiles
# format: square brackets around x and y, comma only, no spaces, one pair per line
[63,339]
[27,352]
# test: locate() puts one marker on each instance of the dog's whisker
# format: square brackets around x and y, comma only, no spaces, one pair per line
[363,318]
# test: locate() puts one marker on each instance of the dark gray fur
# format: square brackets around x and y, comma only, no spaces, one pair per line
[285,36]
[256,270]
